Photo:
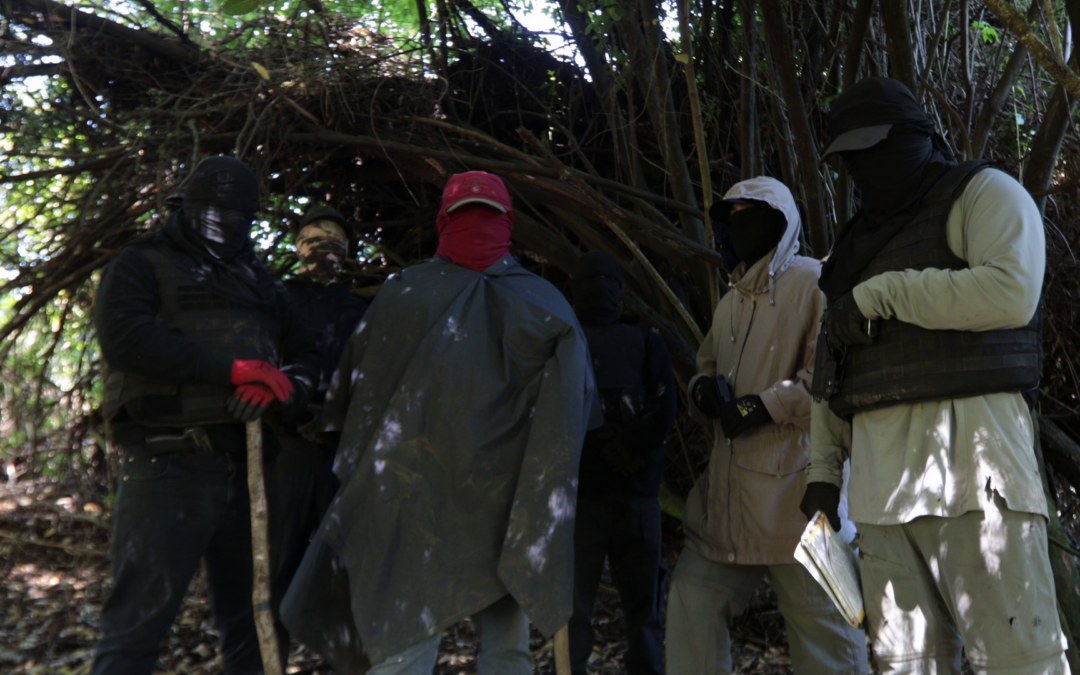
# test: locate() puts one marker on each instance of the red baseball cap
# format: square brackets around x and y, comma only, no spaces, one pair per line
[479,187]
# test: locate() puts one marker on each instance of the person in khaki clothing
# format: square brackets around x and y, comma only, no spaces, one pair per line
[933,289]
[742,517]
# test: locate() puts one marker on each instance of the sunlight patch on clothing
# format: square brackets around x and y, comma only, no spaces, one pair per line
[389,435]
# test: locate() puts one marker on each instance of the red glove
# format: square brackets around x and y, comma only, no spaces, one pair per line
[249,402]
[254,371]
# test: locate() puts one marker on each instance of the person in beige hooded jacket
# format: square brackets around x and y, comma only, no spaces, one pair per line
[742,517]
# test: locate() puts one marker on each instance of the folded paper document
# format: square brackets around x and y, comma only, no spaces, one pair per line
[831,561]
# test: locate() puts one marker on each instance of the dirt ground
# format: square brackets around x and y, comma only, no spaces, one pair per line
[54,570]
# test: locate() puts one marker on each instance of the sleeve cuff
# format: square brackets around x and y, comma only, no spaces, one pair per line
[775,408]
[217,368]
[820,472]
[864,302]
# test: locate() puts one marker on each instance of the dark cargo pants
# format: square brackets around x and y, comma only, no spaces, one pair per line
[171,510]
[626,530]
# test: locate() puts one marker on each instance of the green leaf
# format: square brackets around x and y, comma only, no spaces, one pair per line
[263,73]
[236,7]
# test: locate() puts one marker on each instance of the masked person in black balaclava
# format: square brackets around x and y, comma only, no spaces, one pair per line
[198,338]
[305,469]
[742,520]
[618,515]
[932,339]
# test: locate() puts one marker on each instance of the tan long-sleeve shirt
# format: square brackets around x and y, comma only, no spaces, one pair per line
[945,458]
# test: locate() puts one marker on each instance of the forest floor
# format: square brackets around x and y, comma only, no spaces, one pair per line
[54,576]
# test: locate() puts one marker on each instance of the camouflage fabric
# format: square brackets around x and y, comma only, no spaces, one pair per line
[322,247]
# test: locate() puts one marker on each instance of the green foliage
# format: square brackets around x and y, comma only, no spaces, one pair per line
[235,7]
[989,33]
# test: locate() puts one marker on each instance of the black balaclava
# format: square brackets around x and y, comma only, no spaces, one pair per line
[892,176]
[210,235]
[219,205]
[754,231]
[597,288]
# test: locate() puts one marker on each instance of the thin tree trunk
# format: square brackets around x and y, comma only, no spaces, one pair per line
[749,141]
[860,22]
[1051,133]
[897,24]
[807,160]
[699,140]
[1047,144]
[991,108]
[617,124]
[1016,23]
[650,68]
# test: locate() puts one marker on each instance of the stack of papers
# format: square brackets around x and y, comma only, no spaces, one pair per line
[831,561]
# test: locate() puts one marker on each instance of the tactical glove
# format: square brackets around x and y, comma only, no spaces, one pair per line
[249,402]
[743,414]
[261,372]
[845,323]
[707,398]
[824,497]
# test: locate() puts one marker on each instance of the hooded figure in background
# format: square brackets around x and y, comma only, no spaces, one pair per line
[199,338]
[742,516]
[618,515]
[932,328]
[305,473]
[461,402]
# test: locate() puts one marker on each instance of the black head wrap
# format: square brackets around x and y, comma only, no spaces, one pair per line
[325,213]
[210,236]
[751,232]
[597,288]
[892,173]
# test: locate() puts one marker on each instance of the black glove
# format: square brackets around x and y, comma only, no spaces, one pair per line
[824,497]
[845,323]
[707,398]
[249,402]
[743,414]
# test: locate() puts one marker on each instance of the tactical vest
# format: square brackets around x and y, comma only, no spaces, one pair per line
[908,364]
[189,310]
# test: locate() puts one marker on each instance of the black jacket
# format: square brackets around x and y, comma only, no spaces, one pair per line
[637,387]
[133,341]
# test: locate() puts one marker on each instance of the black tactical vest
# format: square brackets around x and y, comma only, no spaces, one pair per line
[908,364]
[188,309]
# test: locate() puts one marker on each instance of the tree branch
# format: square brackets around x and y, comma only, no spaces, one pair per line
[1017,24]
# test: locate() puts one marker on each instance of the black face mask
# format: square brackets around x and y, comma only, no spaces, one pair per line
[225,233]
[596,299]
[755,231]
[889,175]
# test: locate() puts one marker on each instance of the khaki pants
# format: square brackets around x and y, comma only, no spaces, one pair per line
[705,596]
[981,581]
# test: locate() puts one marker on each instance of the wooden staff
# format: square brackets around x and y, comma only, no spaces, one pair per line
[562,651]
[260,552]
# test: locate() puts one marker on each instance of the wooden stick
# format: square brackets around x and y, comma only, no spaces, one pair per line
[562,651]
[260,552]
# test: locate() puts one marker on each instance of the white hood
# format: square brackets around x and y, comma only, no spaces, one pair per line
[778,196]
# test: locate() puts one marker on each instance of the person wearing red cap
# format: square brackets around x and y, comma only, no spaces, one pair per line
[461,403]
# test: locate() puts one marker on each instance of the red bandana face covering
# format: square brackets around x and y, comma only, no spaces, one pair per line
[473,231]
